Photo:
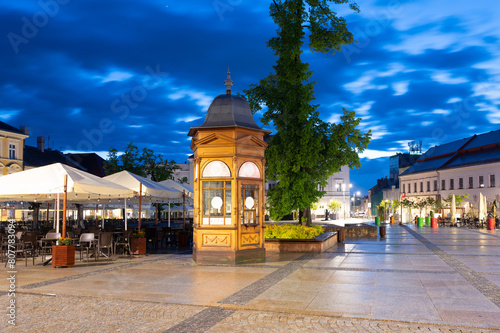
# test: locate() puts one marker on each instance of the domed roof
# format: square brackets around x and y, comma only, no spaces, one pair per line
[228,110]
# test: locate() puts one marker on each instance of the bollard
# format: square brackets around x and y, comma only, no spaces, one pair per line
[428,220]
[490,224]
[382,231]
[341,235]
[434,223]
[420,222]
[377,220]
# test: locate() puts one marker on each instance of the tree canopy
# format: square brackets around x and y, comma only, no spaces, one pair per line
[304,150]
[145,163]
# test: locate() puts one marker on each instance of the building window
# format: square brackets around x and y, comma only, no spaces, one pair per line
[249,170]
[481,181]
[409,187]
[421,186]
[452,184]
[415,187]
[435,185]
[404,188]
[249,204]
[428,186]
[460,183]
[216,169]
[443,185]
[492,180]
[471,182]
[216,206]
[12,151]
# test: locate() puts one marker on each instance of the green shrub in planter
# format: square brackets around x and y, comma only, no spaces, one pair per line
[292,231]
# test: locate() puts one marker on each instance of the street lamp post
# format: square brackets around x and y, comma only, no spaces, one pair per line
[343,198]
[355,204]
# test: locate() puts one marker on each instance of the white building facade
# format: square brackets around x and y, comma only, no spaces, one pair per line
[470,166]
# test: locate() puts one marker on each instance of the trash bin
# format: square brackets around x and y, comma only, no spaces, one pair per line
[420,222]
[341,235]
[393,220]
[490,224]
[377,220]
[434,222]
[428,220]
[383,231]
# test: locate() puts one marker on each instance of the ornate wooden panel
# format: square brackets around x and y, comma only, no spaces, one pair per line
[247,239]
[222,240]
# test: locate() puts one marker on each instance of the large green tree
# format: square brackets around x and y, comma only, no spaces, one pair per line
[305,150]
[145,163]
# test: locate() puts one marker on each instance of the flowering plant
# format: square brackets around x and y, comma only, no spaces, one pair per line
[139,235]
[64,241]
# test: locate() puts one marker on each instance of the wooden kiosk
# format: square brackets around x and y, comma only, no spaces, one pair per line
[228,183]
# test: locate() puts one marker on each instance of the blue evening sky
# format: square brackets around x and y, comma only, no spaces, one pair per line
[99,74]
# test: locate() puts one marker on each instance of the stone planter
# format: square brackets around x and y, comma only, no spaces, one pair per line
[138,246]
[315,245]
[63,256]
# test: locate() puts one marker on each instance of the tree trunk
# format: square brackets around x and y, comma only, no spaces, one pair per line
[305,217]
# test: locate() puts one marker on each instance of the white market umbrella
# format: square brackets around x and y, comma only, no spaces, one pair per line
[453,209]
[178,186]
[481,207]
[485,207]
[145,187]
[40,184]
[185,189]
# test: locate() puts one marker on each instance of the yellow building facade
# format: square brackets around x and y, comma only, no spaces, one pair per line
[11,149]
[229,191]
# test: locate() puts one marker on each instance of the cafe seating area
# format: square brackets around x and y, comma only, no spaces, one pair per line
[92,243]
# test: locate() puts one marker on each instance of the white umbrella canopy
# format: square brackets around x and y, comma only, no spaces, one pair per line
[453,209]
[180,187]
[40,184]
[485,207]
[148,188]
[481,208]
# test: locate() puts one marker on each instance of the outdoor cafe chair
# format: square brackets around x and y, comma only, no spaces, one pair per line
[47,242]
[86,243]
[31,241]
[105,241]
[21,247]
[123,241]
[152,235]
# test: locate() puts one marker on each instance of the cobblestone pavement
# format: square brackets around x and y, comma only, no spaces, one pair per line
[40,313]
[414,280]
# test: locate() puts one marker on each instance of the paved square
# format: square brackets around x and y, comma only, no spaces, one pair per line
[416,279]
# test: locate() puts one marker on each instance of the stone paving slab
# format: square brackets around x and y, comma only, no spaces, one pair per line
[40,313]
[370,285]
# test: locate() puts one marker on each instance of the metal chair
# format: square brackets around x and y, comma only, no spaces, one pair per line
[124,241]
[105,241]
[152,235]
[21,247]
[86,243]
[47,242]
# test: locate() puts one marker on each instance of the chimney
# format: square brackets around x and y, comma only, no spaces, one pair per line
[40,143]
[24,130]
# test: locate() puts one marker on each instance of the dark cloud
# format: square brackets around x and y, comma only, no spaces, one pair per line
[56,78]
